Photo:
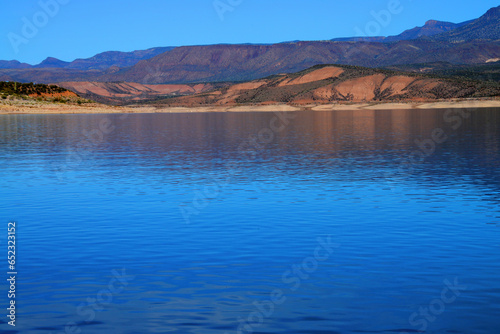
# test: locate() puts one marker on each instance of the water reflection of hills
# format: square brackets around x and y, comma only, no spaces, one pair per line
[183,142]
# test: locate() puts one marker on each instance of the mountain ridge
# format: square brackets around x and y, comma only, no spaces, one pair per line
[243,62]
[464,43]
[430,28]
[219,63]
[487,27]
[13,64]
[101,61]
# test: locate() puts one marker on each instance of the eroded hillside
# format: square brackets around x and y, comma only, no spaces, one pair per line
[332,83]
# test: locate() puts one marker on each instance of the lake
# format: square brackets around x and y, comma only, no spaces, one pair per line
[307,222]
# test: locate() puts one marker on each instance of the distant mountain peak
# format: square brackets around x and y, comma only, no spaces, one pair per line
[441,24]
[430,28]
[52,62]
[493,13]
[487,27]
[432,23]
[11,64]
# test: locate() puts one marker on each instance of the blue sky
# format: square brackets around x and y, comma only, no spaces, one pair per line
[83,28]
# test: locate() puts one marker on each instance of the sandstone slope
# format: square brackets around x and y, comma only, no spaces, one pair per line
[129,92]
[333,83]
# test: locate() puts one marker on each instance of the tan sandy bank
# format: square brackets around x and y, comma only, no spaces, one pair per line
[33,107]
[411,105]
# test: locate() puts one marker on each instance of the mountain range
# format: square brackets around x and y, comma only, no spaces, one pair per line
[430,28]
[101,61]
[105,60]
[468,43]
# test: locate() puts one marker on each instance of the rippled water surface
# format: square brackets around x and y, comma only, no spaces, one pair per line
[314,222]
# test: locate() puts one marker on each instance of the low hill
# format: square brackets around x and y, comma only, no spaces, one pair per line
[49,75]
[52,93]
[332,83]
[490,71]
[118,93]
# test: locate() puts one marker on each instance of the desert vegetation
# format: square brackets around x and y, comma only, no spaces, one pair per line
[38,92]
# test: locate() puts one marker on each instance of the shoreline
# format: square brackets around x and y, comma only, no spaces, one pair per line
[37,108]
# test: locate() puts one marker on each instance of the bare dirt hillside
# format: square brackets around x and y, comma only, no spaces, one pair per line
[129,92]
[332,83]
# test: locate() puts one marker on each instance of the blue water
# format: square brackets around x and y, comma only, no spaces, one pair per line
[313,222]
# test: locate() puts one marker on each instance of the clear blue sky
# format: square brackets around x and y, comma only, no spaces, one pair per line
[83,28]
